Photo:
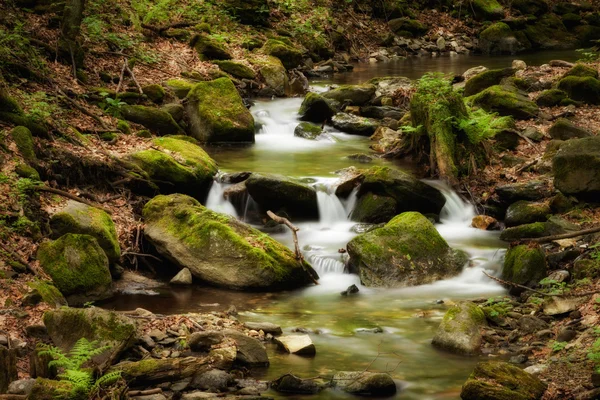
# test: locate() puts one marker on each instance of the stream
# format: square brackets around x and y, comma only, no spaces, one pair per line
[379,329]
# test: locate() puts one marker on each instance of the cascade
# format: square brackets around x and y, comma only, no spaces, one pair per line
[216,200]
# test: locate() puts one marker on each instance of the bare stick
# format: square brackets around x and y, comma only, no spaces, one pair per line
[76,105]
[569,235]
[508,283]
[122,76]
[17,257]
[144,392]
[68,195]
[524,167]
[132,75]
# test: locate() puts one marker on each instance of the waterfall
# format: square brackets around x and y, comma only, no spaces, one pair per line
[350,202]
[216,200]
[331,209]
[326,265]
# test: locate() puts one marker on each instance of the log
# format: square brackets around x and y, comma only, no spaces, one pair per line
[151,371]
[8,367]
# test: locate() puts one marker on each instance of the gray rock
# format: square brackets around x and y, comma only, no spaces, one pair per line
[441,43]
[183,277]
[566,335]
[266,327]
[352,289]
[529,324]
[562,305]
[181,385]
[250,351]
[459,331]
[353,124]
[297,344]
[21,386]
[199,395]
[530,190]
[533,133]
[289,383]
[471,72]
[365,383]
[156,396]
[214,380]
[576,167]
[563,129]
[536,369]
[493,380]
[519,65]
[202,341]
[561,63]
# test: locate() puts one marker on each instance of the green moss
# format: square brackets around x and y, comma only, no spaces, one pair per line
[193,156]
[407,27]
[582,70]
[372,208]
[487,9]
[25,171]
[180,87]
[534,230]
[548,32]
[209,48]
[586,89]
[76,264]
[24,141]
[315,108]
[7,103]
[217,113]
[466,314]
[156,93]
[289,56]
[236,69]
[496,32]
[162,168]
[253,43]
[144,133]
[524,265]
[158,121]
[22,120]
[109,136]
[486,79]
[506,101]
[48,293]
[357,95]
[48,389]
[307,130]
[123,126]
[551,98]
[525,212]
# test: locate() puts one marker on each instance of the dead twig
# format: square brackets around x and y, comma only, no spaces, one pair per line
[122,76]
[524,167]
[134,393]
[132,75]
[68,195]
[17,258]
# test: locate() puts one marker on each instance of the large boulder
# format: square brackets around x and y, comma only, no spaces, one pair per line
[563,129]
[497,380]
[526,212]
[67,325]
[551,98]
[156,120]
[275,76]
[356,95]
[487,10]
[407,251]
[506,100]
[524,265]
[498,38]
[576,167]
[236,69]
[250,351]
[548,32]
[217,113]
[374,208]
[582,71]
[289,56]
[353,124]
[407,27]
[278,193]
[78,267]
[586,88]
[77,217]
[486,79]
[363,383]
[554,226]
[316,108]
[459,331]
[530,190]
[219,249]
[208,48]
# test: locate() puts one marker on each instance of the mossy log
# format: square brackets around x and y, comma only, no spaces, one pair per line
[150,371]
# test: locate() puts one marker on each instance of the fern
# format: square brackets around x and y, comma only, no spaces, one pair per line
[82,380]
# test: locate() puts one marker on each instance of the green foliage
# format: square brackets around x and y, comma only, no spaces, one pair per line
[433,86]
[557,346]
[553,286]
[39,106]
[16,50]
[587,55]
[482,125]
[111,106]
[72,368]
[594,351]
[499,306]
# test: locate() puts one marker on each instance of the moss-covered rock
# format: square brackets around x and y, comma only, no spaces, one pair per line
[158,121]
[124,127]
[288,55]
[24,140]
[407,27]
[83,219]
[356,95]
[50,389]
[236,69]
[548,32]
[25,171]
[533,230]
[407,251]
[191,155]
[374,208]
[282,194]
[582,70]
[525,265]
[459,331]
[274,75]
[180,87]
[353,124]
[308,130]
[525,212]
[563,129]
[530,190]
[78,267]
[209,48]
[586,269]
[506,101]
[219,249]
[576,167]
[497,380]
[586,89]
[217,113]
[175,109]
[486,79]
[48,293]
[156,93]
[551,98]
[316,108]
[498,38]
[487,10]
[67,325]
[530,7]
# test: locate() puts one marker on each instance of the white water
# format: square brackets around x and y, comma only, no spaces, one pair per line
[216,200]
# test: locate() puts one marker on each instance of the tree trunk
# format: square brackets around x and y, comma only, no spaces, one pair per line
[8,367]
[69,43]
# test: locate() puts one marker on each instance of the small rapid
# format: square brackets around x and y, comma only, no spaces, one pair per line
[216,200]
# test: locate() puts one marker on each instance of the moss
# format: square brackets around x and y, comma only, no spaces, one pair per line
[48,389]
[524,265]
[374,209]
[144,133]
[24,141]
[236,69]
[22,120]
[551,98]
[487,9]
[25,171]
[48,293]
[563,129]
[357,95]
[180,87]
[586,89]
[76,263]
[83,219]
[407,27]
[548,32]
[158,121]
[582,70]
[307,130]
[253,43]
[7,103]
[123,126]
[209,48]
[156,93]
[486,79]
[217,113]
[315,108]
[506,101]
[193,156]
[109,137]
[533,230]
[289,56]
[176,110]
[525,212]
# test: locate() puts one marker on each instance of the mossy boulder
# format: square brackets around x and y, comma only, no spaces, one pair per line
[499,38]
[274,75]
[459,331]
[407,27]
[83,219]
[44,291]
[209,48]
[67,325]
[353,124]
[563,129]
[486,79]
[576,167]
[530,7]
[175,109]
[407,251]
[526,212]
[506,101]
[498,380]
[180,87]
[356,95]
[525,265]
[24,140]
[374,208]
[586,89]
[236,69]
[549,33]
[364,383]
[316,108]
[582,70]
[78,267]
[288,55]
[217,113]
[533,230]
[551,97]
[487,10]
[219,249]
[308,130]
[282,194]
[124,127]
[530,190]
[25,171]
[49,389]
[156,120]
[409,193]
[156,93]
[190,154]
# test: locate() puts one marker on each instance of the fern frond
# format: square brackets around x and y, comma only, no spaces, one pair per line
[107,379]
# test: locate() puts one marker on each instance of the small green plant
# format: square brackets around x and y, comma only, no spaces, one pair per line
[553,286]
[594,351]
[111,106]
[72,370]
[587,55]
[558,346]
[498,306]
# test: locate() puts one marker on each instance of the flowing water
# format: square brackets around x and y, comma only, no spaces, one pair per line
[379,329]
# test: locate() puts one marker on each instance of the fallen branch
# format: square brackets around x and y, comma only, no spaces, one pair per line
[294,229]
[569,235]
[161,29]
[79,107]
[17,258]
[132,75]
[508,283]
[68,195]
[122,76]
[524,167]
[13,397]
[148,392]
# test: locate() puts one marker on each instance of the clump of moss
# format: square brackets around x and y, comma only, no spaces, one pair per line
[586,89]
[124,127]
[236,69]
[25,171]
[524,265]
[289,56]
[48,293]
[24,141]
[156,120]
[180,87]
[209,48]
[156,93]
[551,98]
